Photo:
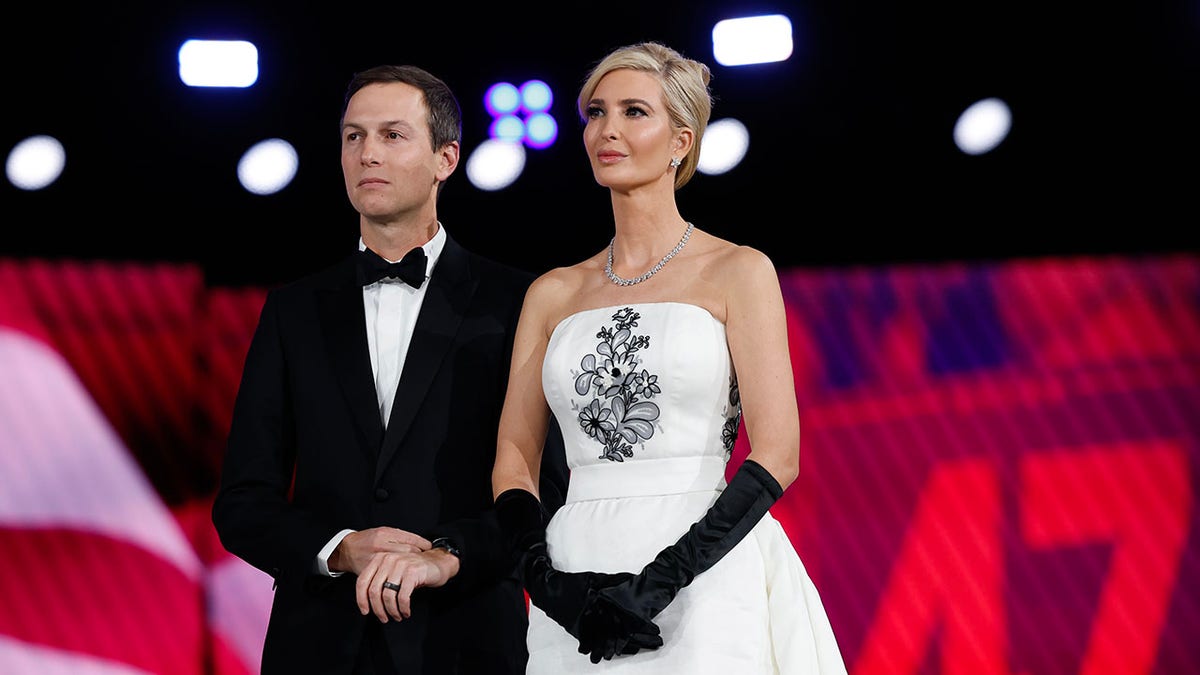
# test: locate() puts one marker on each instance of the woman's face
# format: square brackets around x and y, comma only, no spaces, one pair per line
[629,137]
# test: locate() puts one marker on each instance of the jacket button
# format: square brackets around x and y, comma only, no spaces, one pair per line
[381,494]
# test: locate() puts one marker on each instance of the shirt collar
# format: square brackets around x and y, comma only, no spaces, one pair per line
[433,248]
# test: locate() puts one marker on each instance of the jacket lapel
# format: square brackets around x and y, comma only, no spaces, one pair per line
[345,326]
[450,289]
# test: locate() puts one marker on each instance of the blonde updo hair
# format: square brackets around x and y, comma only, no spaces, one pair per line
[685,89]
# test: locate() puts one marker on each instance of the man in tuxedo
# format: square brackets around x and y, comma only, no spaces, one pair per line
[358,466]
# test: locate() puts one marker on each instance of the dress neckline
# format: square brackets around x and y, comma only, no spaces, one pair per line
[611,308]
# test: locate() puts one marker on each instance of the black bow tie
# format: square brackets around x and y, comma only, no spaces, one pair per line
[410,269]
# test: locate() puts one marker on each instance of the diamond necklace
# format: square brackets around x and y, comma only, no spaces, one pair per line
[653,270]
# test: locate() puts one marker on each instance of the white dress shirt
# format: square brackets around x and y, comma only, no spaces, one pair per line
[391,308]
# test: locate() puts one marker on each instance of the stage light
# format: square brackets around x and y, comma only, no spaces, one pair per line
[982,126]
[35,162]
[507,128]
[536,96]
[752,39]
[218,63]
[724,145]
[521,114]
[502,98]
[268,166]
[541,131]
[495,164]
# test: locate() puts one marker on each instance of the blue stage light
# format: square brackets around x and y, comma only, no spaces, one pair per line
[536,96]
[541,131]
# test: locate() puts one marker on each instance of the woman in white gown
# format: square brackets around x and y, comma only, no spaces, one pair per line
[655,564]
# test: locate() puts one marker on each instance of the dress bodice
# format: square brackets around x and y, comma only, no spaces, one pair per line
[642,381]
[647,400]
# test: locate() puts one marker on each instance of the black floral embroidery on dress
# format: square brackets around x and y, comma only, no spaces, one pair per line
[618,416]
[729,432]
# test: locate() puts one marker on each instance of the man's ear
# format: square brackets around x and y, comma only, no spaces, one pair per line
[447,160]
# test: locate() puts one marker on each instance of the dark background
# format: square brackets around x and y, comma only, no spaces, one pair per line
[851,158]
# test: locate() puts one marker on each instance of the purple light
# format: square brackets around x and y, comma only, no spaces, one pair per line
[507,128]
[536,96]
[501,98]
[541,131]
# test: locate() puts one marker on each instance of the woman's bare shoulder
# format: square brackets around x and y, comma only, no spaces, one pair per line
[556,292]
[560,281]
[732,260]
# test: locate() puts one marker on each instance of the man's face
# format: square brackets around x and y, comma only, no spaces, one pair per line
[388,163]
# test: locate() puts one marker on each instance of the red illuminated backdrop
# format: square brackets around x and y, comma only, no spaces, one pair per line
[998,466]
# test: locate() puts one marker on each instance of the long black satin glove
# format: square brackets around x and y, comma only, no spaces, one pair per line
[614,610]
[562,595]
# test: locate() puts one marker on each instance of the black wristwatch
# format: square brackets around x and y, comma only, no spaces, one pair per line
[446,544]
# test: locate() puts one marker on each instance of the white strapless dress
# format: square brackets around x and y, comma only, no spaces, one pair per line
[648,404]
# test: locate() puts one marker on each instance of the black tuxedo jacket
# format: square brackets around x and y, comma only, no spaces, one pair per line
[308,456]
